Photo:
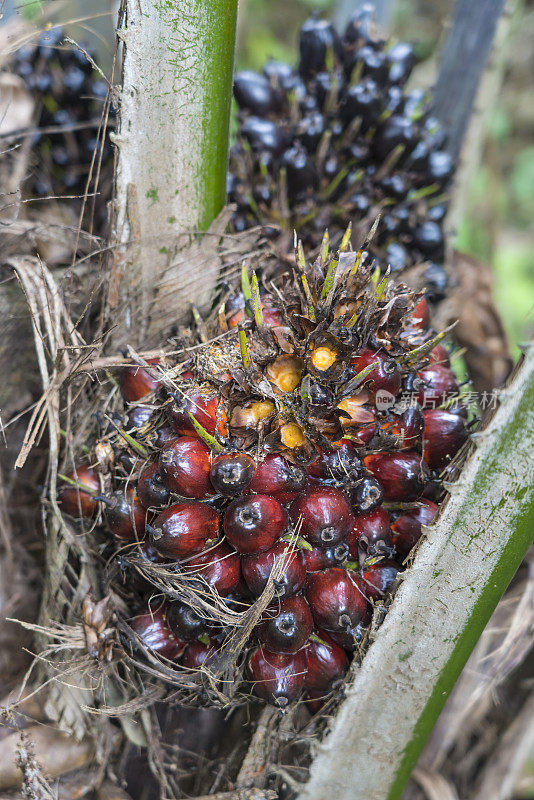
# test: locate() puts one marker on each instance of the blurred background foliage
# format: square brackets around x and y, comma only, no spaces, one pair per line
[498,225]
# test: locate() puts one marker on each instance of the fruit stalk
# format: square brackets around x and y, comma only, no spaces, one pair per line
[446,598]
[173,137]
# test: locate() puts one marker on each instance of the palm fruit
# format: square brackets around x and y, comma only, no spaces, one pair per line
[70,96]
[269,469]
[339,138]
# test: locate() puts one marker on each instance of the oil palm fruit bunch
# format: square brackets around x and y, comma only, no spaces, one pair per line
[338,138]
[288,464]
[70,97]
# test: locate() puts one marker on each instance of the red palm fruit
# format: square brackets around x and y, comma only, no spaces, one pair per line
[219,566]
[230,473]
[319,558]
[203,407]
[445,433]
[184,466]
[370,535]
[336,600]
[421,314]
[365,434]
[277,477]
[277,677]
[341,463]
[327,664]
[366,494]
[154,632]
[135,382]
[184,621]
[182,530]
[349,639]
[407,527]
[150,489]
[253,524]
[199,654]
[125,514]
[440,355]
[323,515]
[378,578]
[439,384]
[409,428]
[402,475]
[257,568]
[75,501]
[386,375]
[285,628]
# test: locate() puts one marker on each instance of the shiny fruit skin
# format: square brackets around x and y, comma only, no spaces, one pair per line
[421,314]
[440,355]
[322,516]
[277,677]
[137,417]
[276,477]
[407,527]
[198,654]
[184,622]
[182,530]
[231,473]
[336,601]
[125,515]
[257,568]
[135,382]
[319,558]
[386,375]
[219,566]
[204,409]
[378,578]
[445,433]
[184,466]
[150,489]
[285,628]
[337,464]
[327,664]
[76,502]
[153,630]
[439,385]
[366,495]
[371,535]
[401,474]
[253,524]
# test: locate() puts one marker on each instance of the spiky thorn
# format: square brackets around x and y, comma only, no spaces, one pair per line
[301,263]
[207,438]
[199,322]
[256,300]
[130,441]
[369,238]
[357,381]
[424,349]
[243,344]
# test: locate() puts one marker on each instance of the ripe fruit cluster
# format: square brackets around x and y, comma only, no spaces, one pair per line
[70,97]
[349,141]
[267,471]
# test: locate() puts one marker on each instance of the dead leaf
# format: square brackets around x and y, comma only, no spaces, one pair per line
[16,104]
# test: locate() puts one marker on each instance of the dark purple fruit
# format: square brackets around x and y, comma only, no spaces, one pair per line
[322,516]
[285,628]
[378,579]
[336,599]
[254,92]
[150,488]
[407,528]
[185,622]
[327,664]
[219,566]
[184,466]
[402,475]
[257,568]
[253,524]
[125,514]
[231,473]
[445,433]
[277,677]
[183,529]
[277,477]
[152,628]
